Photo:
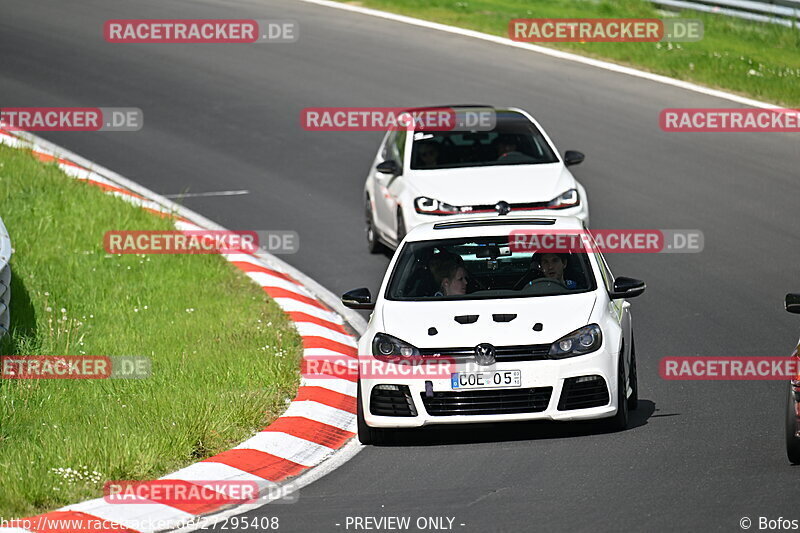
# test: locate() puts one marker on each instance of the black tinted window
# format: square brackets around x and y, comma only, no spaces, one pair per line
[424,270]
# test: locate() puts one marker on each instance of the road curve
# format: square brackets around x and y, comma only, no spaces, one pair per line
[226,117]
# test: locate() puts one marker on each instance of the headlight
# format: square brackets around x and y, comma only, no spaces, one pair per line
[386,346]
[430,206]
[580,342]
[571,198]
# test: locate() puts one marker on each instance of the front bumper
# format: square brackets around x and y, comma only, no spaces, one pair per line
[536,378]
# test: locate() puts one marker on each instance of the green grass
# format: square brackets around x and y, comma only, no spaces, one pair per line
[224,357]
[761,61]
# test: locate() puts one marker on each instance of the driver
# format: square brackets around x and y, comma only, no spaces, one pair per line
[552,266]
[505,145]
[449,274]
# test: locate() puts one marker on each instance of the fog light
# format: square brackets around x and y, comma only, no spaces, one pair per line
[584,379]
[387,387]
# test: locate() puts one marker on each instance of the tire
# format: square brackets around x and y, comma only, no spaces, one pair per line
[373,243]
[633,401]
[619,421]
[366,434]
[792,442]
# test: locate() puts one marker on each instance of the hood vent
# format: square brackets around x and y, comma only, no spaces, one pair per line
[504,317]
[466,319]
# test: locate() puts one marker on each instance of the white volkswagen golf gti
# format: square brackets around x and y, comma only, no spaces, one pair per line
[420,176]
[469,327]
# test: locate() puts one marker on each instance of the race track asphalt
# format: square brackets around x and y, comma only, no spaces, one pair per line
[699,456]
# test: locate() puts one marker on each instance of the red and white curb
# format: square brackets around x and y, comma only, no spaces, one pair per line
[314,435]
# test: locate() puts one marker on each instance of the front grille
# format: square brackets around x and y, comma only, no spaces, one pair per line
[487,402]
[591,391]
[503,354]
[396,401]
[495,222]
[526,206]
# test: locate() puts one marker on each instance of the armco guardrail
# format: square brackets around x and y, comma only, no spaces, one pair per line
[783,12]
[5,278]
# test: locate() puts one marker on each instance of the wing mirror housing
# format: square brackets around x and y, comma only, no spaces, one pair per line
[792,302]
[573,157]
[390,167]
[358,299]
[627,288]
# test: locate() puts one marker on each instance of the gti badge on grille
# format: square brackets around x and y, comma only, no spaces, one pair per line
[484,354]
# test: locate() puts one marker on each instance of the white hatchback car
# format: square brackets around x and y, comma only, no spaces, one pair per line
[497,334]
[421,176]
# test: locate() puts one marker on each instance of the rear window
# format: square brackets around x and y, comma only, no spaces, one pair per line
[514,141]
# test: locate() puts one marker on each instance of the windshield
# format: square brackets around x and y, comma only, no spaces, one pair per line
[513,141]
[485,267]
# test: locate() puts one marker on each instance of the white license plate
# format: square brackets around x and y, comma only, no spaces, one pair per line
[484,380]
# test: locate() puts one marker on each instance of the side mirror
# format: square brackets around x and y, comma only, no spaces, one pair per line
[572,157]
[358,299]
[627,288]
[793,302]
[390,166]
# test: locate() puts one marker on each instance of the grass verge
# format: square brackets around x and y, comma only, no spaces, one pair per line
[758,60]
[224,358]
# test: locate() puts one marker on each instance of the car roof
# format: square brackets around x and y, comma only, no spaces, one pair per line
[450,106]
[500,109]
[509,119]
[454,227]
[504,114]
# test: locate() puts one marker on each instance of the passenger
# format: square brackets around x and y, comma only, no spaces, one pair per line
[449,274]
[553,266]
[428,154]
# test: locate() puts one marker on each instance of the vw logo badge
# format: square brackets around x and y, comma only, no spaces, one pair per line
[484,354]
